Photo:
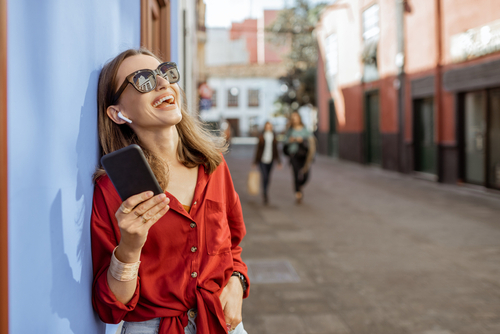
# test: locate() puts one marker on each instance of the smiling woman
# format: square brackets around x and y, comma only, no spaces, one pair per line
[169,263]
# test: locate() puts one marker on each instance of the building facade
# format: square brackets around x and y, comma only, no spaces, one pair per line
[411,86]
[243,72]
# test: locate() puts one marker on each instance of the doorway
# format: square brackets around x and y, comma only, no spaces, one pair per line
[423,136]
[373,142]
[475,135]
[333,139]
[480,137]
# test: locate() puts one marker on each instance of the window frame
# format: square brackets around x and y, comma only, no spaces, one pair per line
[155,27]
[251,97]
[236,97]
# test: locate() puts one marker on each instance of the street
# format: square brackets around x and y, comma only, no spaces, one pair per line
[368,252]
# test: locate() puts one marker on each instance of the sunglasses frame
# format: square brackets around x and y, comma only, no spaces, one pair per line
[128,79]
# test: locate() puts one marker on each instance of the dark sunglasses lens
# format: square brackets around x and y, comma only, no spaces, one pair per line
[170,73]
[144,81]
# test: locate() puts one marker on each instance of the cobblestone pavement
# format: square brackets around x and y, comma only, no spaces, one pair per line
[375,252]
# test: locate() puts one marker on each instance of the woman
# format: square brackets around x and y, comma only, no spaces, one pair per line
[169,263]
[300,147]
[265,155]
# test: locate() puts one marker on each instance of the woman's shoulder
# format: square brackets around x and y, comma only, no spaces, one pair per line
[104,184]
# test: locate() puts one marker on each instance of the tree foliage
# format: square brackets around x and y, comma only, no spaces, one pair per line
[294,28]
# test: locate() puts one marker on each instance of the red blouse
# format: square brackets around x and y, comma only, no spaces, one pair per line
[186,261]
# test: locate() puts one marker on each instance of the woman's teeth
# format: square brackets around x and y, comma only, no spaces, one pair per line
[169,99]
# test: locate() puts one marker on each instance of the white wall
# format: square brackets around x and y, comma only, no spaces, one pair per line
[56,49]
[269,92]
[221,50]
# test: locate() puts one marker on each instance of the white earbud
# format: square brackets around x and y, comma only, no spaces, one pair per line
[120,115]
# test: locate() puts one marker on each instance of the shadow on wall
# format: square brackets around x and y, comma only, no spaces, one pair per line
[67,294]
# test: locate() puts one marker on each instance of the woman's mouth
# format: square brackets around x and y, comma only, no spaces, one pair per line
[164,101]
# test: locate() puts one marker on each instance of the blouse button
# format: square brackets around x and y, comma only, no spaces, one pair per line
[194,274]
[194,249]
[195,202]
[193,225]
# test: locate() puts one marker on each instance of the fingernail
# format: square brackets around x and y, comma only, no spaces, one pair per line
[149,193]
[163,196]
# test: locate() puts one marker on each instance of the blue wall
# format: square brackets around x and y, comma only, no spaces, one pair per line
[174,36]
[55,51]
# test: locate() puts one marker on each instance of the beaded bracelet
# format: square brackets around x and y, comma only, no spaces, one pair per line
[123,272]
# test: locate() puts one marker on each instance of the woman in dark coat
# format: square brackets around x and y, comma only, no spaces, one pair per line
[265,155]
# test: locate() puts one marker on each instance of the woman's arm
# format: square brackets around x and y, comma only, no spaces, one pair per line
[233,294]
[111,301]
[135,217]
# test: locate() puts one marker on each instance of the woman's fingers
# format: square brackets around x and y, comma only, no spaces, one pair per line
[142,208]
[157,212]
[151,212]
[134,227]
[131,202]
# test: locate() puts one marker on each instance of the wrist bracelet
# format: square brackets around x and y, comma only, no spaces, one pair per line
[242,278]
[123,272]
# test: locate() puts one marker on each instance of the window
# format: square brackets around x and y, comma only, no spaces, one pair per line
[214,98]
[331,57]
[155,27]
[253,97]
[371,29]
[232,97]
[371,35]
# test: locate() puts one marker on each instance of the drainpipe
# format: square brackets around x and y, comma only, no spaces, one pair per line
[438,90]
[400,81]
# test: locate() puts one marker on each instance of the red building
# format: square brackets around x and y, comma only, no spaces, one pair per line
[413,87]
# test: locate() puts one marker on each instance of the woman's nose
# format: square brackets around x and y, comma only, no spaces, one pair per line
[161,82]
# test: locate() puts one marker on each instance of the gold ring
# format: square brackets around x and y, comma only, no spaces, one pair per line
[144,220]
[124,209]
[136,214]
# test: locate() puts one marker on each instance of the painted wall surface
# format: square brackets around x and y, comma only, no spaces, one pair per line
[55,51]
[464,15]
[420,35]
[269,92]
[221,50]
[387,48]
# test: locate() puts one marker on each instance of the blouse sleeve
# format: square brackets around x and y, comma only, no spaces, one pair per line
[237,227]
[105,237]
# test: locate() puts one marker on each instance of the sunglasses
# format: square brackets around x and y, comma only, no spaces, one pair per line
[144,81]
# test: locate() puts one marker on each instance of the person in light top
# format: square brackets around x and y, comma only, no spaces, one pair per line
[266,154]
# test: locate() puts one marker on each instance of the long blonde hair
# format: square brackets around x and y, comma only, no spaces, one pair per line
[197,146]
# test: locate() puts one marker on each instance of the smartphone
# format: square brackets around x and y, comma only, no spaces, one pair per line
[130,172]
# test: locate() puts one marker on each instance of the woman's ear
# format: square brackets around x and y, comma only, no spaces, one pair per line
[116,116]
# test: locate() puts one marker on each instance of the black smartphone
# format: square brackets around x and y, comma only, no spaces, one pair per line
[130,172]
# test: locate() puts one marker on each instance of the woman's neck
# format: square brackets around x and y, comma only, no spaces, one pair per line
[162,143]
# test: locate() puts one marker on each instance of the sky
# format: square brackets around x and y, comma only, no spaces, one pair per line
[220,13]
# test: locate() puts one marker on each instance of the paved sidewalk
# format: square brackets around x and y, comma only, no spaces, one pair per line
[376,252]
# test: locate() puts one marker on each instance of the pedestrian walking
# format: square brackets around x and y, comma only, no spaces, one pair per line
[300,146]
[266,153]
[169,263]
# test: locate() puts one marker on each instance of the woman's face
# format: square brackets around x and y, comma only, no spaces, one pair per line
[142,108]
[268,127]
[295,119]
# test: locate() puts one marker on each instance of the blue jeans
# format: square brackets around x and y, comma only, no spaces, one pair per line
[151,326]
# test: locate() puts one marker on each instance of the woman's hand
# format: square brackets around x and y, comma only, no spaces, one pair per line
[231,299]
[135,217]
